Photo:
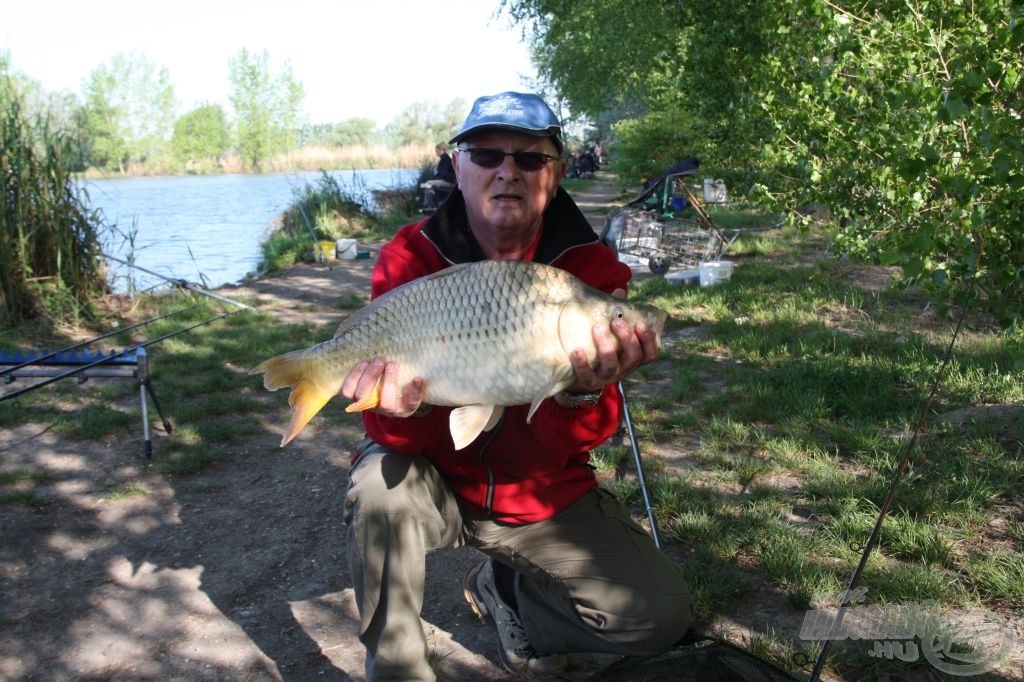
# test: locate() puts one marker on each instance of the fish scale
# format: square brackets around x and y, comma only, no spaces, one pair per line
[482,336]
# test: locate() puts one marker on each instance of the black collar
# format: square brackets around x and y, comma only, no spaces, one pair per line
[565,228]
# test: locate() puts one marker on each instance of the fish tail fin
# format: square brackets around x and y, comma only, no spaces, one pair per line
[307,397]
[306,400]
[370,400]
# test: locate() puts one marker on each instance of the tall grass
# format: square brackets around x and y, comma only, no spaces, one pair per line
[50,263]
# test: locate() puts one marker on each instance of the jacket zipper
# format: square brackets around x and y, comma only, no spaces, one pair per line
[482,455]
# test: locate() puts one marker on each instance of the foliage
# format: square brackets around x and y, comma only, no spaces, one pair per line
[600,54]
[324,211]
[912,133]
[129,112]
[426,122]
[201,137]
[351,132]
[49,247]
[903,117]
[647,145]
[266,107]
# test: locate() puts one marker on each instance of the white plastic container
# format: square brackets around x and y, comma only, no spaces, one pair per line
[715,272]
[346,248]
[683,276]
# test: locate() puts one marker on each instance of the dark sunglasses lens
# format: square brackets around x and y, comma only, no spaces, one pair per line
[531,161]
[486,158]
[492,158]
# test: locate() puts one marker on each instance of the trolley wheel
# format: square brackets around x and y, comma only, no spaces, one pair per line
[658,265]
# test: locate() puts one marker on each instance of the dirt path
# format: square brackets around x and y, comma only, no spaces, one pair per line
[235,573]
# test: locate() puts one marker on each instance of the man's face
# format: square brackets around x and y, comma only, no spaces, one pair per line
[507,199]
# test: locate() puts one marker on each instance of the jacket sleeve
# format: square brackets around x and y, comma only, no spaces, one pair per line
[567,429]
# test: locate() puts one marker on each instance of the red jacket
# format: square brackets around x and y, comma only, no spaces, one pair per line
[517,472]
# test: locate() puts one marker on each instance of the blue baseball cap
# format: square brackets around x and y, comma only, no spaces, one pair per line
[516,111]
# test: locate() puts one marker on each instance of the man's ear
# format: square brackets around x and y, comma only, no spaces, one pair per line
[456,155]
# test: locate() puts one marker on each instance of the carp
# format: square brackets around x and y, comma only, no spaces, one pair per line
[483,336]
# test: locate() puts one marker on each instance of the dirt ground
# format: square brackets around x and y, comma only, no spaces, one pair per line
[237,572]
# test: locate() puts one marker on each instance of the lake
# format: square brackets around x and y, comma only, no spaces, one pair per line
[204,229]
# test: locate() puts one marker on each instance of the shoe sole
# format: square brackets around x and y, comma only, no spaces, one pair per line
[469,593]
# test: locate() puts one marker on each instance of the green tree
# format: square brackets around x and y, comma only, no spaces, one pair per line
[353,131]
[426,122]
[906,121]
[903,116]
[603,54]
[201,137]
[129,111]
[266,107]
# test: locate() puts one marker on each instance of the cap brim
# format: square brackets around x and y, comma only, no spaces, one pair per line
[533,132]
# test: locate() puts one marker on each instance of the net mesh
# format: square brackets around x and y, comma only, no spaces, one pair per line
[705,661]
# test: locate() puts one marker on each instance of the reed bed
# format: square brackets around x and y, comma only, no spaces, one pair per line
[359,157]
[50,265]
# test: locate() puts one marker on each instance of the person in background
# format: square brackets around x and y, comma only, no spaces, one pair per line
[565,567]
[443,179]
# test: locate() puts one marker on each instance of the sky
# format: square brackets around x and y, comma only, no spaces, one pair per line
[355,58]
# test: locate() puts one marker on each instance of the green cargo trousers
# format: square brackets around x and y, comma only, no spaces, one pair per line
[590,578]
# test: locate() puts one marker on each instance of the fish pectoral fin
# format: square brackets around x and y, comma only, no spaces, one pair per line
[306,400]
[557,383]
[368,401]
[469,421]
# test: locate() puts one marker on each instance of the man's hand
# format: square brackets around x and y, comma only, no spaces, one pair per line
[620,350]
[367,377]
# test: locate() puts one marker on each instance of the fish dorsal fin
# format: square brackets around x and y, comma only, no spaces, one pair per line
[469,421]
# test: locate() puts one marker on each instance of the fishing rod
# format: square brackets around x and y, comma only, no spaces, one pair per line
[184,284]
[38,360]
[876,531]
[113,356]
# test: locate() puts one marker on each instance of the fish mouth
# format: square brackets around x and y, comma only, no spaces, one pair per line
[507,196]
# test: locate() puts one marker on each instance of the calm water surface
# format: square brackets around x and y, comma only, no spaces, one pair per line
[205,229]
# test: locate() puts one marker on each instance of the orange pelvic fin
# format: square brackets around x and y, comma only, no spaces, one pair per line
[368,401]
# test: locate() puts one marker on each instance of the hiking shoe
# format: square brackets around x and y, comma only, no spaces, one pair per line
[514,649]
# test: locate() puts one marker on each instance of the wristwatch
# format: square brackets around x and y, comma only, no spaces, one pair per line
[577,400]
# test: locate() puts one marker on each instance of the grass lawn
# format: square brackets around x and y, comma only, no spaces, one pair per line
[786,399]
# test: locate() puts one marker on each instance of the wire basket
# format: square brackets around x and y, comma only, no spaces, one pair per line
[681,243]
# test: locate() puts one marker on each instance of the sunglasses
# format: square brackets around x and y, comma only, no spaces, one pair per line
[492,158]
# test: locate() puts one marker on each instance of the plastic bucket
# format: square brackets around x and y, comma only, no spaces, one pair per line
[346,248]
[715,272]
[326,249]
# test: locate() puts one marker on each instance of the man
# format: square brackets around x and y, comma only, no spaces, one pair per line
[569,570]
[441,181]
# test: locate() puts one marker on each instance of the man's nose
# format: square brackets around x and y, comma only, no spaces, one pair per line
[508,167]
